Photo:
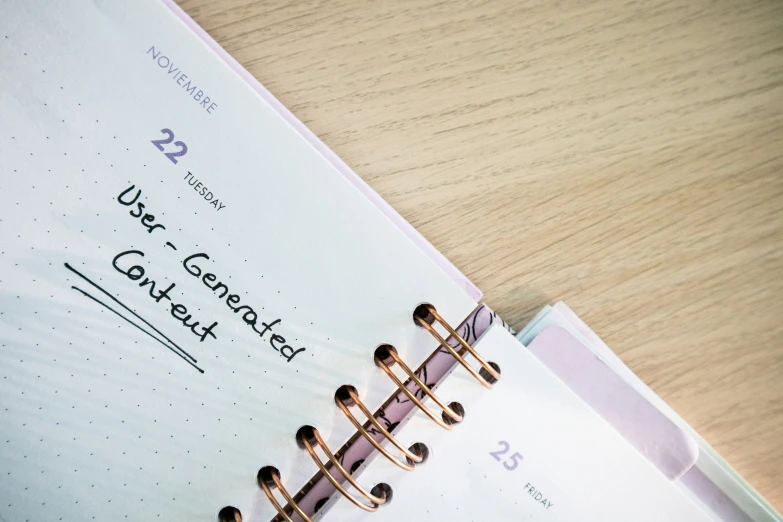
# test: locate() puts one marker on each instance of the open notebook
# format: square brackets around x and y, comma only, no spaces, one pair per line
[188,281]
[186,277]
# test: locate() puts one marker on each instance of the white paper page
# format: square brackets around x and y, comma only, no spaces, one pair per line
[554,459]
[97,418]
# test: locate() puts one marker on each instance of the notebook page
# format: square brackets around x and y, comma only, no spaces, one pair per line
[527,450]
[145,188]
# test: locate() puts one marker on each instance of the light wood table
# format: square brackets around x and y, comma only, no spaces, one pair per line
[626,157]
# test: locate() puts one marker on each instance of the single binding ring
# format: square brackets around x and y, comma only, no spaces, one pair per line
[465,346]
[305,440]
[275,476]
[346,393]
[229,514]
[392,352]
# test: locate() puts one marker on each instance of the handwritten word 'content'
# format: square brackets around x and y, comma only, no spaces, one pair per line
[178,311]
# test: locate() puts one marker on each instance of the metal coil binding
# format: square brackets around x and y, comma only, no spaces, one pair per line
[272,474]
[310,435]
[391,352]
[421,320]
[349,394]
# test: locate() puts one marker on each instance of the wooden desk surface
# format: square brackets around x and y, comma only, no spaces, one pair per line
[625,157]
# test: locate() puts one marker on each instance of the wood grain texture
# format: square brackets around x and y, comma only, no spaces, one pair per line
[626,157]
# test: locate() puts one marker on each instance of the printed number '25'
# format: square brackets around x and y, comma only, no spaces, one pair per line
[509,463]
[183,149]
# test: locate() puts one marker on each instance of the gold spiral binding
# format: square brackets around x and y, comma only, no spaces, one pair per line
[279,485]
[426,389]
[376,501]
[355,398]
[465,346]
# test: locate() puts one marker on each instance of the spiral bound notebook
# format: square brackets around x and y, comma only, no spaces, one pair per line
[202,307]
[186,277]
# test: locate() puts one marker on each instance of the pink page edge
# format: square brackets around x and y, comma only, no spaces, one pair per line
[694,479]
[639,422]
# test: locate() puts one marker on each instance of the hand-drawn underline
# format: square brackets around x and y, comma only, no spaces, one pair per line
[171,345]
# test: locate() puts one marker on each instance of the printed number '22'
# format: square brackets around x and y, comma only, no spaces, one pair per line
[183,149]
[509,463]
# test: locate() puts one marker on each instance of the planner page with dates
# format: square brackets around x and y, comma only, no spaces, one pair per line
[184,279]
[529,449]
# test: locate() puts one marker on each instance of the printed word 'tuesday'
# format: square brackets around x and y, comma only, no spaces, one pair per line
[203,191]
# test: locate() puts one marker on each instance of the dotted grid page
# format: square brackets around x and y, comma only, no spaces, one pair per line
[184,280]
[529,449]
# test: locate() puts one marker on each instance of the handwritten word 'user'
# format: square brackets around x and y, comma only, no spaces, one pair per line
[147,219]
[178,311]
